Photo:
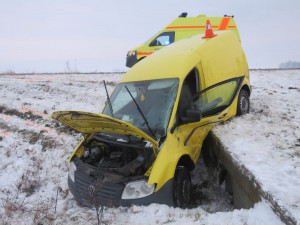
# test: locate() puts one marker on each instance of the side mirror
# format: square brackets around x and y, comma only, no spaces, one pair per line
[191,116]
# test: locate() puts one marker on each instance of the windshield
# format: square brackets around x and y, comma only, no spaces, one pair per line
[155,98]
[151,38]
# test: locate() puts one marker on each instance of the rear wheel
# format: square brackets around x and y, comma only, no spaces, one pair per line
[243,105]
[182,187]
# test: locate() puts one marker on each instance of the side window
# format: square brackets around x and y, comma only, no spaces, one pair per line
[190,87]
[216,98]
[163,39]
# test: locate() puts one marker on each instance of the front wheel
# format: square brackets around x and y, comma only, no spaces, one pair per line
[182,187]
[243,105]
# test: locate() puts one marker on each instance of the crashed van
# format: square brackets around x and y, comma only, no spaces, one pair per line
[142,147]
[180,28]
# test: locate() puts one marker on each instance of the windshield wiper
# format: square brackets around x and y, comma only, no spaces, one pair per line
[140,111]
[108,100]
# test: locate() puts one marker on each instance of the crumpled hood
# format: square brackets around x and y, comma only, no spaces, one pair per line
[88,123]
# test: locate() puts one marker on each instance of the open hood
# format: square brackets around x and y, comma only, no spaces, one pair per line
[87,123]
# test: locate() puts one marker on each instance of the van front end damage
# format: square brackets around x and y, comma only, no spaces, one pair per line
[112,164]
[92,187]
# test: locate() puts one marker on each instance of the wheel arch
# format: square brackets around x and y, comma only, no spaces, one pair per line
[165,165]
[246,88]
[187,162]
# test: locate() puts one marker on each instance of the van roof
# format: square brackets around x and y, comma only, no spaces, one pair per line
[199,22]
[178,59]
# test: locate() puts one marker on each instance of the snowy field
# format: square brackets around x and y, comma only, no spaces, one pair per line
[267,141]
[35,150]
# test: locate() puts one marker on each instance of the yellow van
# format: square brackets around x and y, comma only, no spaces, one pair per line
[180,28]
[142,147]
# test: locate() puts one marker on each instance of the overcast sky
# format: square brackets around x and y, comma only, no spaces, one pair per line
[95,35]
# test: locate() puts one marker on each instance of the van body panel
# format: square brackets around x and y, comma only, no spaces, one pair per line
[205,77]
[183,27]
[187,53]
[90,123]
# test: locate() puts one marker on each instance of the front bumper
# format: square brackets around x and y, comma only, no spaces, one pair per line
[131,60]
[93,188]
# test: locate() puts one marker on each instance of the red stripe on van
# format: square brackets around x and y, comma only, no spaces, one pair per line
[224,23]
[144,53]
[221,27]
[185,27]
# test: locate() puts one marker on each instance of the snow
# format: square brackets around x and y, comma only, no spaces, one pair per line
[33,166]
[267,140]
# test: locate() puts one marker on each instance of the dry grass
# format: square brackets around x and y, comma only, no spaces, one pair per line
[30,181]
[110,83]
[23,115]
[48,142]
[62,128]
[13,204]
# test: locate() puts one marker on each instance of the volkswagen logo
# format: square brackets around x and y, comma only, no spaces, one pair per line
[91,190]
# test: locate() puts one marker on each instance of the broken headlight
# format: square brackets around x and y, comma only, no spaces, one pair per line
[137,189]
[72,169]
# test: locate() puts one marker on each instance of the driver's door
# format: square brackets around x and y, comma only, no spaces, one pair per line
[214,103]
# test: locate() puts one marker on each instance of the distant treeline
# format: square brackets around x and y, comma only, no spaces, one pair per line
[290,65]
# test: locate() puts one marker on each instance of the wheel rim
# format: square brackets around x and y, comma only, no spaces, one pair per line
[244,104]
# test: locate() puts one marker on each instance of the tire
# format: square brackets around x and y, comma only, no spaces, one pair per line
[182,187]
[243,105]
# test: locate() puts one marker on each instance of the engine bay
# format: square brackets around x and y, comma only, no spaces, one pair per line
[125,156]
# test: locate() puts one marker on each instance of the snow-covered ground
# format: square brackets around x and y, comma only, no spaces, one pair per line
[267,141]
[35,150]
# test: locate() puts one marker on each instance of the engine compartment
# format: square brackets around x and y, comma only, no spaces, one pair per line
[122,156]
